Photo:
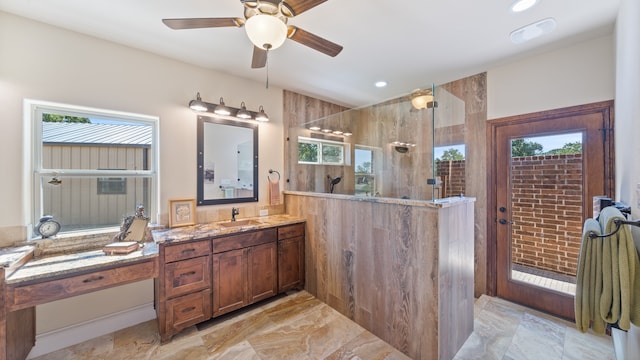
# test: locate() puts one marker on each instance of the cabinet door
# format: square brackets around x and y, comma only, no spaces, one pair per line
[290,264]
[262,271]
[229,281]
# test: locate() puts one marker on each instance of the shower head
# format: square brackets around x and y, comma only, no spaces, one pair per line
[333,182]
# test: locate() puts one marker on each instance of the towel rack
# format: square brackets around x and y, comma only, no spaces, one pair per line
[271,171]
[619,224]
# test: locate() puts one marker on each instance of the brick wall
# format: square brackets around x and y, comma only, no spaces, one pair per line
[547,237]
[451,174]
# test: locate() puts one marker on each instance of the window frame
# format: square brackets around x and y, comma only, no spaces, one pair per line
[345,147]
[34,174]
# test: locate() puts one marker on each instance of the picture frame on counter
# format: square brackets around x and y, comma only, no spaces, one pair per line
[182,212]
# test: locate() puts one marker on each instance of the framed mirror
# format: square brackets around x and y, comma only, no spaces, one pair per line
[227,161]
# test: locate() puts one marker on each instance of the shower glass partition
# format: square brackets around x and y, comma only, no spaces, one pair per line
[387,149]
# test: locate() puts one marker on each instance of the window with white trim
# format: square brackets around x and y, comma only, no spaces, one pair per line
[90,168]
[322,152]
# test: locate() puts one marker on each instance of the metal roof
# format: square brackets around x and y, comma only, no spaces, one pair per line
[102,134]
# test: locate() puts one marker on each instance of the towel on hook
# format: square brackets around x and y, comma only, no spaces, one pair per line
[274,192]
[589,280]
[620,299]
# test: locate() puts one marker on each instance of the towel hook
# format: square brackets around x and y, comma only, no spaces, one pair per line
[271,171]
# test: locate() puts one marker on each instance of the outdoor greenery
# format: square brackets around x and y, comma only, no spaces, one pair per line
[307,152]
[522,147]
[64,118]
[331,154]
[451,154]
[364,168]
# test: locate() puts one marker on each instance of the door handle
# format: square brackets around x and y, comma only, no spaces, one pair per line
[505,222]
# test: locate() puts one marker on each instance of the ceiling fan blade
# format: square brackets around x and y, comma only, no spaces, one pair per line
[297,7]
[197,23]
[259,59]
[313,41]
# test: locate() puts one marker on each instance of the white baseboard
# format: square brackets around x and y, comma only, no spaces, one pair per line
[75,334]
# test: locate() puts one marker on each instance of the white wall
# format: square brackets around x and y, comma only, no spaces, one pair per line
[38,61]
[627,132]
[579,74]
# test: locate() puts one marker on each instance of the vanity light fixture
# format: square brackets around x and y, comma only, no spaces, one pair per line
[347,134]
[243,113]
[198,104]
[262,116]
[337,132]
[422,99]
[326,130]
[314,128]
[228,112]
[222,109]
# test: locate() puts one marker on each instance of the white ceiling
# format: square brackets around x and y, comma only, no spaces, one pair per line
[408,43]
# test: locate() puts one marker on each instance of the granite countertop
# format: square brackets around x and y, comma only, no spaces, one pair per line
[215,229]
[51,266]
[28,269]
[437,203]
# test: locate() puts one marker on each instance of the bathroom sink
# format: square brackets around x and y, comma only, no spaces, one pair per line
[237,223]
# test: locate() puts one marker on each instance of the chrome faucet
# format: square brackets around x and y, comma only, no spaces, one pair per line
[234,212]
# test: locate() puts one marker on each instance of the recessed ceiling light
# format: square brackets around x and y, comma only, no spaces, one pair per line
[381,84]
[522,5]
[533,31]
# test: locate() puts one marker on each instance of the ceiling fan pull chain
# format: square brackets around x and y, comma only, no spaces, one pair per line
[267,46]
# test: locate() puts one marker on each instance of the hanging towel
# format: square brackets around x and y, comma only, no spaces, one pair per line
[620,298]
[589,280]
[274,192]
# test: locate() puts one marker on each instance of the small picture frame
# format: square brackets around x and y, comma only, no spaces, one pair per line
[182,212]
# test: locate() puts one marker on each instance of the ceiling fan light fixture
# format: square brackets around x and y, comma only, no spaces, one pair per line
[266,31]
[262,116]
[420,99]
[198,104]
[222,109]
[243,113]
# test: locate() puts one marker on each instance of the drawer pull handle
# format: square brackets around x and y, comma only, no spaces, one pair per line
[189,309]
[190,273]
[86,281]
[187,251]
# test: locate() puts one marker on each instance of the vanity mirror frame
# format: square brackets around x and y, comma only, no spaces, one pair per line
[203,144]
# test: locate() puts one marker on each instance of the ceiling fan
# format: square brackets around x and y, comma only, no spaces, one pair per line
[266,24]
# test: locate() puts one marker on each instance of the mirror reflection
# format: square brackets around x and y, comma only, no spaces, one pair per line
[227,161]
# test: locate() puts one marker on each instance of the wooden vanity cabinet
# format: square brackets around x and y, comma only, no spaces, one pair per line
[206,278]
[290,257]
[244,269]
[183,288]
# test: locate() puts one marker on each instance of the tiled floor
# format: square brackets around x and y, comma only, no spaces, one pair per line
[507,331]
[301,327]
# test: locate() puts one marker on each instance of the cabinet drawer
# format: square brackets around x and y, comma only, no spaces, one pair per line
[186,276]
[290,231]
[186,251]
[46,291]
[233,242]
[188,310]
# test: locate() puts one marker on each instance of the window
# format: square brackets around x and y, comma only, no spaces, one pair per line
[112,185]
[321,152]
[91,168]
[365,163]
